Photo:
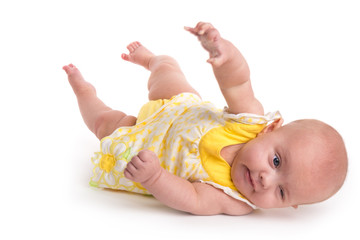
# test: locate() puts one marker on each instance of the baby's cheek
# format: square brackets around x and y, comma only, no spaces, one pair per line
[265,201]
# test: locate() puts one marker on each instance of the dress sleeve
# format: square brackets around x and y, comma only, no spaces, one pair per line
[249,118]
[231,192]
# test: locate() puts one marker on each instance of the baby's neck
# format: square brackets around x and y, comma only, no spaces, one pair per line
[229,152]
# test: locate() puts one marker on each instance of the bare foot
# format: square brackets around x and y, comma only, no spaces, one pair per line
[212,42]
[76,80]
[138,54]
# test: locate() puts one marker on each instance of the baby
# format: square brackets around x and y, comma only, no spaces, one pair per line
[196,158]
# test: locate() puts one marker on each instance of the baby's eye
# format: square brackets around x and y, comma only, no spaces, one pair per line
[276,161]
[282,193]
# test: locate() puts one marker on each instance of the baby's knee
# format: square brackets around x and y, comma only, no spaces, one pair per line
[107,122]
[127,121]
[163,61]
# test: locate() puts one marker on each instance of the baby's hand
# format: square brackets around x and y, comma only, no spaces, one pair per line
[143,168]
[209,38]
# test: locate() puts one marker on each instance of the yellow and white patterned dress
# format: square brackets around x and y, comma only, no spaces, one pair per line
[187,134]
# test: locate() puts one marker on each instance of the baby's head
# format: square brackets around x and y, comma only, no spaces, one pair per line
[302,162]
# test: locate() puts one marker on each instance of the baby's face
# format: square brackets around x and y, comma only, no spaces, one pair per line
[277,169]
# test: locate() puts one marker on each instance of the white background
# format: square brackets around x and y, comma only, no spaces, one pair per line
[304,60]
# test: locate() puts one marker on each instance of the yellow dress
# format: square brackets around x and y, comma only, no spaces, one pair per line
[187,134]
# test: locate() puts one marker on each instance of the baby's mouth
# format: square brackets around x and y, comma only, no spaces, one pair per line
[249,178]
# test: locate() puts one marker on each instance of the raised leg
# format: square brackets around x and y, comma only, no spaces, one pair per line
[166,79]
[99,118]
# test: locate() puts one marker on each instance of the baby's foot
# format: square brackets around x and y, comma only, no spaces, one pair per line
[138,54]
[76,80]
[211,40]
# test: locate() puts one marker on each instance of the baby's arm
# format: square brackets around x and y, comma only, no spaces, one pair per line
[230,68]
[175,192]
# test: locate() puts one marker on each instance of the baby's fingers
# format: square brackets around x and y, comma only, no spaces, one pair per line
[200,28]
[133,168]
[137,163]
[128,173]
[190,29]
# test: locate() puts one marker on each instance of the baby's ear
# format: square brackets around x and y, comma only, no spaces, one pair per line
[272,126]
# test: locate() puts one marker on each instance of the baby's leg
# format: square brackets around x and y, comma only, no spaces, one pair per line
[166,79]
[99,118]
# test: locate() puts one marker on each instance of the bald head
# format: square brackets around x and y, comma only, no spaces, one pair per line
[329,167]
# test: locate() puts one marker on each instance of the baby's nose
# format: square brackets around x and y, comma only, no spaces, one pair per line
[266,180]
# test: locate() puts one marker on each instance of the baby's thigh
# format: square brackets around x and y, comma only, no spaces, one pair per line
[167,80]
[172,85]
[107,122]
